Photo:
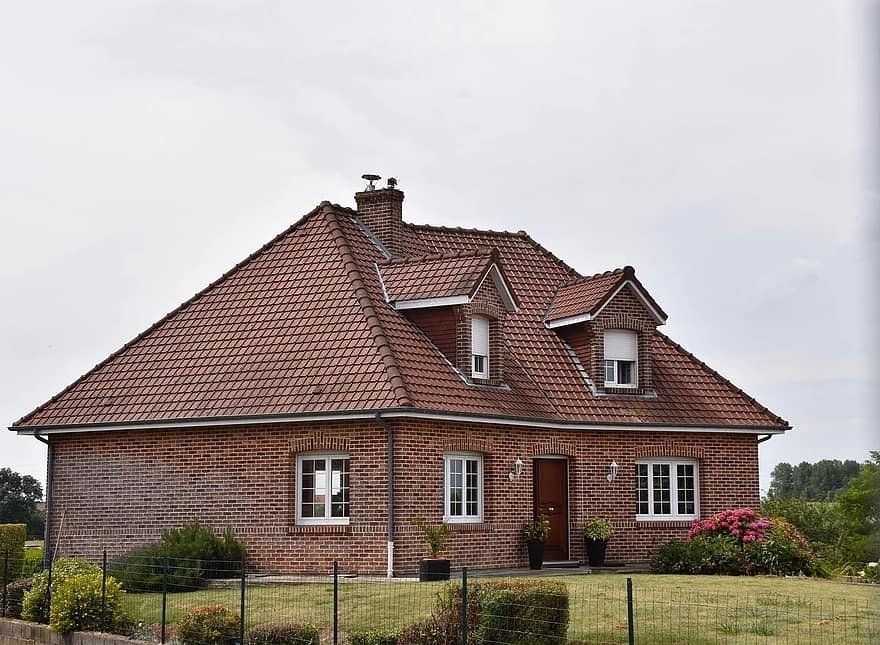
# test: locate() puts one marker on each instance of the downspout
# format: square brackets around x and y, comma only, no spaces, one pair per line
[50,463]
[389,432]
[765,438]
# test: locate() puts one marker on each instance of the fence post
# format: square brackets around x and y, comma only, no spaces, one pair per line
[335,602]
[243,586]
[464,604]
[104,590]
[5,578]
[164,594]
[631,628]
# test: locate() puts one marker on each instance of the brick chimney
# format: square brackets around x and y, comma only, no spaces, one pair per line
[381,211]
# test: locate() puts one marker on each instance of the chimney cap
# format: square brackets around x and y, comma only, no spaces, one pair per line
[370,179]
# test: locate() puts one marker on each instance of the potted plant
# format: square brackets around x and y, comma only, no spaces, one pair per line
[597,532]
[436,535]
[536,533]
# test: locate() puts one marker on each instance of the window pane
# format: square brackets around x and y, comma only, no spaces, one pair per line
[686,489]
[472,487]
[642,489]
[662,493]
[609,371]
[479,364]
[339,488]
[625,372]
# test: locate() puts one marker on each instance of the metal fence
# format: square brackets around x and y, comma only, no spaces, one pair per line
[344,606]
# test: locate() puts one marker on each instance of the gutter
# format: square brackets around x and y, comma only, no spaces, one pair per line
[389,432]
[765,438]
[50,459]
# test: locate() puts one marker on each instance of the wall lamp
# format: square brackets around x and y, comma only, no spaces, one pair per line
[517,470]
[612,471]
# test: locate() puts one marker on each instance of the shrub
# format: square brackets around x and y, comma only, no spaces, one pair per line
[438,629]
[33,562]
[672,557]
[35,606]
[372,637]
[435,535]
[193,553]
[784,551]
[211,625]
[742,524]
[12,538]
[287,634]
[15,592]
[76,605]
[871,573]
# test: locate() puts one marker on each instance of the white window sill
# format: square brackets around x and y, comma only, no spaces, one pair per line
[321,522]
[470,519]
[666,518]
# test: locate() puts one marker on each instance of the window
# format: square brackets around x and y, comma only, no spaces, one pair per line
[621,358]
[479,347]
[667,490]
[322,492]
[463,488]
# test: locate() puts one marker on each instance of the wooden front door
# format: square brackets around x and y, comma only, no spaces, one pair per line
[551,500]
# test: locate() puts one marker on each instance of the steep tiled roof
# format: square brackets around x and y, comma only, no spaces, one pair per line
[435,276]
[587,295]
[302,326]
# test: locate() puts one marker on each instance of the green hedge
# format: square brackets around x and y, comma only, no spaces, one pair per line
[76,605]
[211,625]
[12,538]
[35,606]
[286,634]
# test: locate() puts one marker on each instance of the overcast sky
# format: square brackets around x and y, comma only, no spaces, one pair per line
[727,150]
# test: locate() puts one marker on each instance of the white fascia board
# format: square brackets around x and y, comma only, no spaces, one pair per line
[423,303]
[399,413]
[641,296]
[568,320]
[501,285]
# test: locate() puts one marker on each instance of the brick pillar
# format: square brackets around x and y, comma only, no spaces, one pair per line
[381,211]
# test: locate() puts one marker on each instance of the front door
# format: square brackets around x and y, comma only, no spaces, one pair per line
[551,500]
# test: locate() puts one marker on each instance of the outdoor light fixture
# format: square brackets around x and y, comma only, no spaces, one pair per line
[612,471]
[517,469]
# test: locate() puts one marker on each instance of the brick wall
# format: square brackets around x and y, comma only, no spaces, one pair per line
[439,324]
[381,211]
[121,489]
[487,303]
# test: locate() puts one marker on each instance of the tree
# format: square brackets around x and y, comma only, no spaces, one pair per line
[19,495]
[819,482]
[860,506]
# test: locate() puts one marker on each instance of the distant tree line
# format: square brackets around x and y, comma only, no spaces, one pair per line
[841,520]
[819,482]
[19,495]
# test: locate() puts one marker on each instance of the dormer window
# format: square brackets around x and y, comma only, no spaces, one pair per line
[621,358]
[479,347]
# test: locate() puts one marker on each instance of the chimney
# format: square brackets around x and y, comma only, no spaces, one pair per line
[381,211]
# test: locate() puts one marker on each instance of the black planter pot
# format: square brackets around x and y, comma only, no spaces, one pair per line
[536,553]
[433,569]
[596,551]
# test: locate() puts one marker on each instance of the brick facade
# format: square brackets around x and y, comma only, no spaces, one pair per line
[121,489]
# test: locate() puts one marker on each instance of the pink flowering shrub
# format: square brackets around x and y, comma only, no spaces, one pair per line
[744,524]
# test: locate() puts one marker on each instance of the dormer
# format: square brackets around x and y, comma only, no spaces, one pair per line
[607,321]
[460,302]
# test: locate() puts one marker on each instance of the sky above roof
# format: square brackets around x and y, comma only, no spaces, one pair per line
[725,150]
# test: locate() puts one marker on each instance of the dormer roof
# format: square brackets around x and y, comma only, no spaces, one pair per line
[443,279]
[583,299]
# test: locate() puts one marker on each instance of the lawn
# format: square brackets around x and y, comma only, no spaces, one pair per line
[667,609]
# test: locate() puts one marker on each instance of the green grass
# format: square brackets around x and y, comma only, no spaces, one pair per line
[668,609]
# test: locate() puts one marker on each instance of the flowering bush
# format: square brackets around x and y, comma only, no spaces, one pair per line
[743,524]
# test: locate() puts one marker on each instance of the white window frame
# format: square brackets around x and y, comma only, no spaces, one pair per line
[673,515]
[464,517]
[328,457]
[612,361]
[480,340]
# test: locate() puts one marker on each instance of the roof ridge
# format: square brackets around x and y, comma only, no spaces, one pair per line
[360,291]
[181,307]
[433,257]
[604,274]
[725,380]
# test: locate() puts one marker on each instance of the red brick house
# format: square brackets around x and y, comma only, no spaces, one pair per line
[358,371]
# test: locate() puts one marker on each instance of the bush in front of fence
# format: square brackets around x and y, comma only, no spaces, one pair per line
[288,634]
[15,592]
[209,625]
[373,637]
[77,605]
[35,605]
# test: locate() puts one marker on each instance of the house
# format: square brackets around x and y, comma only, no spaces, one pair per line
[358,371]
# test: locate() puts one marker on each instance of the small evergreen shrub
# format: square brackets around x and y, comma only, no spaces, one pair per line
[210,625]
[193,553]
[12,538]
[76,605]
[15,592]
[283,634]
[372,637]
[35,606]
